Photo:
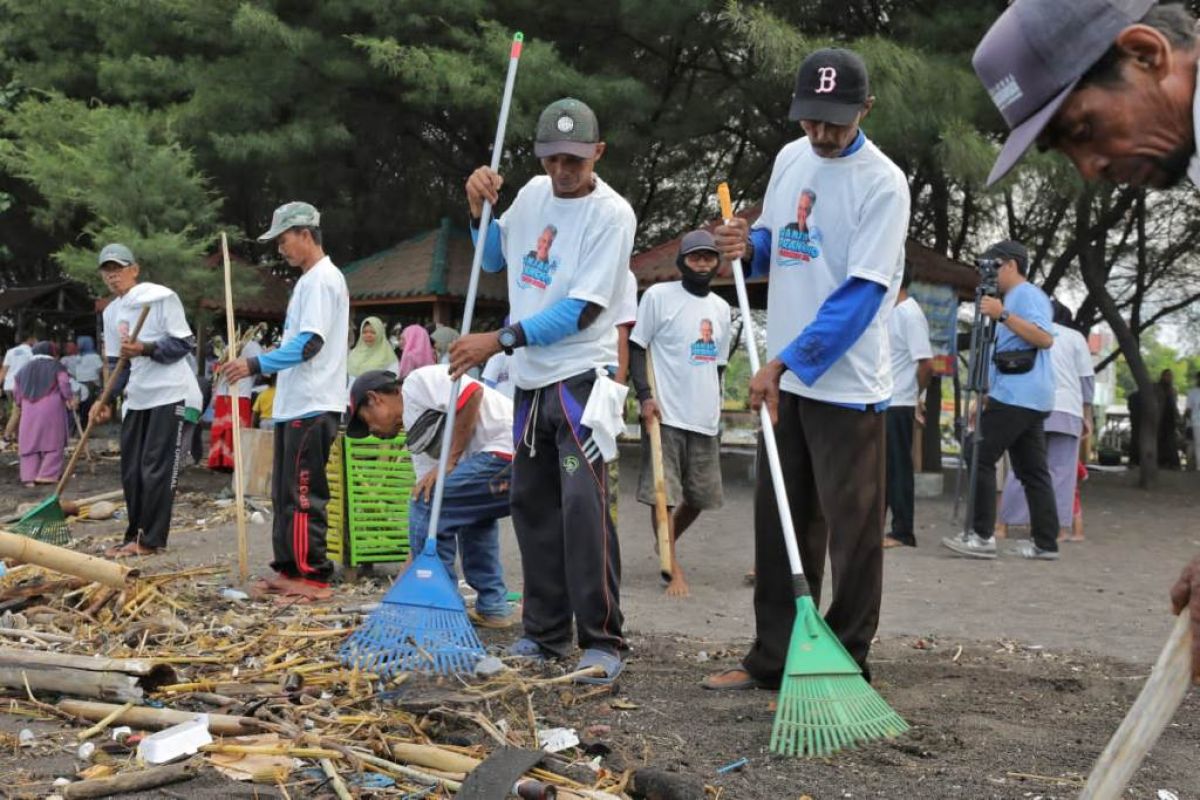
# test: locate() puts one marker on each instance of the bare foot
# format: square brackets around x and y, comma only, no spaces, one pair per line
[678,587]
[131,549]
[750,577]
[295,587]
[1001,531]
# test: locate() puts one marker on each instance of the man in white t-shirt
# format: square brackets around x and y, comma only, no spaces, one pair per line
[831,236]
[479,469]
[16,357]
[686,329]
[310,395]
[558,288]
[912,366]
[161,397]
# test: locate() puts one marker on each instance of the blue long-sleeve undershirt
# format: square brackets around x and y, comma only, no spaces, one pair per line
[555,322]
[840,321]
[493,251]
[759,264]
[288,354]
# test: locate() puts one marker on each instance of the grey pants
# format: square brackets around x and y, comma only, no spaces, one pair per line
[570,555]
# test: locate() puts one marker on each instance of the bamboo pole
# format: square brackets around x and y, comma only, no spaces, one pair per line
[121,679]
[68,562]
[130,781]
[158,718]
[231,354]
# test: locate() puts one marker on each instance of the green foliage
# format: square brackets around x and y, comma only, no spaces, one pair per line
[1159,356]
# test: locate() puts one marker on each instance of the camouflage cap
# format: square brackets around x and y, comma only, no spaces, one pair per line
[291,215]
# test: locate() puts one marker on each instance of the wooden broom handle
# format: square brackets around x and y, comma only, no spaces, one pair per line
[665,535]
[104,397]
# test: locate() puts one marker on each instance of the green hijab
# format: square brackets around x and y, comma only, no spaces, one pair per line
[364,357]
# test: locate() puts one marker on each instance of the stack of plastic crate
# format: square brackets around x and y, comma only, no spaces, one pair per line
[335,535]
[378,480]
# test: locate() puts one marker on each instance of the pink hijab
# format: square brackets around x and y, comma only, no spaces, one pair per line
[417,352]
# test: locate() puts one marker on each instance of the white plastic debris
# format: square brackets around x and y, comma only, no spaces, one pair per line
[555,740]
[202,521]
[180,740]
[26,737]
[1167,794]
[61,781]
[489,666]
[258,518]
[85,751]
[121,733]
[234,594]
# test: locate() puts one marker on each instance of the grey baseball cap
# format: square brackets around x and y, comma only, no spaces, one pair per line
[1033,56]
[697,240]
[1008,250]
[291,215]
[567,126]
[115,253]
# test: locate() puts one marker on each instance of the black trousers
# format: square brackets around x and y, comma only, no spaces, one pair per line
[833,471]
[900,472]
[1019,431]
[570,555]
[151,442]
[300,495]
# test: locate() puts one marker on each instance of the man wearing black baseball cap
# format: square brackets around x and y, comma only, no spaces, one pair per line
[1109,83]
[566,242]
[1020,398]
[831,236]
[1112,85]
[478,471]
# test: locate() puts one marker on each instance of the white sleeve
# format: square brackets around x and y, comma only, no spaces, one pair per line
[172,318]
[422,391]
[647,319]
[491,370]
[1083,357]
[314,312]
[918,336]
[726,339]
[876,251]
[8,357]
[627,305]
[604,261]
[112,333]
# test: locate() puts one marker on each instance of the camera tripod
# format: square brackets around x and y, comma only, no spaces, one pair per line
[979,359]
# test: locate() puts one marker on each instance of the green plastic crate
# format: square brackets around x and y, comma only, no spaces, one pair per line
[335,532]
[378,479]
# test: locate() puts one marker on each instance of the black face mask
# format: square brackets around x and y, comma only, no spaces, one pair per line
[696,282]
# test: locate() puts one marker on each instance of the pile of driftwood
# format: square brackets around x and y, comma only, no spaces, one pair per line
[95,644]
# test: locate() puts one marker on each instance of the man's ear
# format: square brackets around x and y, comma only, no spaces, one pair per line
[599,151]
[1147,49]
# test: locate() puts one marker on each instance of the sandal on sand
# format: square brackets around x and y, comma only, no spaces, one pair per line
[527,648]
[715,682]
[611,663]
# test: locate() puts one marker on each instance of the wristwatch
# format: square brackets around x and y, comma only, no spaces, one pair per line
[1004,315]
[508,339]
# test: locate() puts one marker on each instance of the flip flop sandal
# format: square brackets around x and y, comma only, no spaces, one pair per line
[526,648]
[750,682]
[610,662]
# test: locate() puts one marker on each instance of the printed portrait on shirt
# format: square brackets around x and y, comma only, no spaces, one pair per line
[704,349]
[538,266]
[800,241]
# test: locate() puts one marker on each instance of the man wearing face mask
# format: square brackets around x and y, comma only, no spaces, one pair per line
[686,329]
[831,237]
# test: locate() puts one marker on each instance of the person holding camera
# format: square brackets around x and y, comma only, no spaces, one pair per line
[1021,397]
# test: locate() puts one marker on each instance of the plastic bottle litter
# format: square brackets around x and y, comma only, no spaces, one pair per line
[3,569]
[184,739]
[122,733]
[554,740]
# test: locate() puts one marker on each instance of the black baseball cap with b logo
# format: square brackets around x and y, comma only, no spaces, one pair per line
[831,86]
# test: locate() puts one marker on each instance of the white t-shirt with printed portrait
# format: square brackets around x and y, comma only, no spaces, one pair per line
[556,248]
[908,339]
[16,357]
[429,388]
[832,219]
[688,339]
[320,304]
[151,384]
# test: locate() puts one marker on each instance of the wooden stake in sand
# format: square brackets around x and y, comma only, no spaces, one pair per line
[231,353]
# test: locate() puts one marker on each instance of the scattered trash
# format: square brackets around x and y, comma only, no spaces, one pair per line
[3,569]
[184,739]
[489,666]
[598,730]
[202,522]
[555,740]
[86,751]
[233,594]
[621,704]
[258,518]
[372,780]
[733,766]
[702,656]
[26,737]
[61,781]
[122,733]
[1167,794]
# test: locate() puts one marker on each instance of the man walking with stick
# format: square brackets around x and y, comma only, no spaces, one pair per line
[686,330]
[831,236]
[310,396]
[566,241]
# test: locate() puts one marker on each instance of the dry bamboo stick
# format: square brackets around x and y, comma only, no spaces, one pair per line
[104,723]
[130,781]
[68,562]
[335,780]
[157,718]
[270,750]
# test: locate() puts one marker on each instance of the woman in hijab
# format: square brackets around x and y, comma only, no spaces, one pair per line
[373,350]
[43,391]
[417,352]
